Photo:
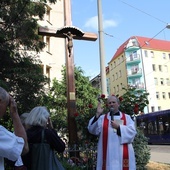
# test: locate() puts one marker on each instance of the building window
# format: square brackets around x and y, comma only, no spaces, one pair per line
[153,67]
[135,56]
[48,15]
[121,86]
[48,44]
[117,88]
[162,81]
[118,60]
[164,56]
[169,95]
[116,76]
[169,56]
[166,68]
[122,58]
[113,77]
[120,73]
[167,82]
[114,64]
[111,66]
[48,72]
[156,81]
[157,95]
[146,53]
[114,90]
[152,54]
[159,107]
[163,95]
[160,67]
[152,109]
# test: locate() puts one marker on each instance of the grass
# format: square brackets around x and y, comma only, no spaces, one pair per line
[157,166]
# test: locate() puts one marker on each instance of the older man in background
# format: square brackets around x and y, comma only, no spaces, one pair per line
[12,145]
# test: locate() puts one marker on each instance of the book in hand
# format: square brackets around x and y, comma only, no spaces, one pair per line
[119,122]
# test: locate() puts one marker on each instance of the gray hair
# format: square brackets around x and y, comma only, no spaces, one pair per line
[112,96]
[4,96]
[23,117]
[38,116]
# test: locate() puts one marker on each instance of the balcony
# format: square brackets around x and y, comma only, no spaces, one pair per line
[134,72]
[132,45]
[133,48]
[137,85]
[133,59]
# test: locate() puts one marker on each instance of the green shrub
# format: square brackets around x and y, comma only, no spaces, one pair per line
[142,151]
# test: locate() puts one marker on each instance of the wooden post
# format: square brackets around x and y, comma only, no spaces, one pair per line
[71,96]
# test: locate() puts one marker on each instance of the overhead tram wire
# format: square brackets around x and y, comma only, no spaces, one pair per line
[153,37]
[144,43]
[148,15]
[143,12]
[112,36]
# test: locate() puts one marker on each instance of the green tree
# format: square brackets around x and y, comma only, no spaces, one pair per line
[86,103]
[133,102]
[142,151]
[86,100]
[21,72]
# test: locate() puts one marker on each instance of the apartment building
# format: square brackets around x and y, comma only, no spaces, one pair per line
[145,64]
[53,55]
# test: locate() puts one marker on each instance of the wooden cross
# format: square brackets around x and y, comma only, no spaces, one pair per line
[71,99]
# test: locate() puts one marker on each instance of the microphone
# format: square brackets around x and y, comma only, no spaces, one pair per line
[111,113]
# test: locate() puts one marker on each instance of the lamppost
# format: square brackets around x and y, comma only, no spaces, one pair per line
[101,48]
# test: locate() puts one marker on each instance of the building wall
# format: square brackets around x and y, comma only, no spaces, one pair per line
[53,55]
[145,68]
[117,75]
[157,80]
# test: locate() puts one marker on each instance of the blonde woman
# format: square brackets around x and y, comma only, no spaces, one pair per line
[37,121]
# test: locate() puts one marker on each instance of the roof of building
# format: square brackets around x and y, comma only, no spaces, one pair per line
[145,43]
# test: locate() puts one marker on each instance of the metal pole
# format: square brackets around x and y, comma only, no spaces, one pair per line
[101,49]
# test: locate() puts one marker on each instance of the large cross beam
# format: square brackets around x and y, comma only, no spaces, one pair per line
[52,32]
[71,99]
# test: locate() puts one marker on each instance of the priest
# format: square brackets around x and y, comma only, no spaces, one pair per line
[116,132]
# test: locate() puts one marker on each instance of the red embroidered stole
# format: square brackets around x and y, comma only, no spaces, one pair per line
[105,139]
[125,149]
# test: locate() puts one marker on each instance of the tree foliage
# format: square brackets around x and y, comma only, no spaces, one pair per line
[133,101]
[86,98]
[86,104]
[142,151]
[20,68]
[21,72]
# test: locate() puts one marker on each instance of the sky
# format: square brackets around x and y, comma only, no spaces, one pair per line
[121,20]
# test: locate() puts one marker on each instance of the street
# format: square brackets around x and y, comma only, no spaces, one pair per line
[160,153]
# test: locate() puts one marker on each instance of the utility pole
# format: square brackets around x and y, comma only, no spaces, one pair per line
[101,48]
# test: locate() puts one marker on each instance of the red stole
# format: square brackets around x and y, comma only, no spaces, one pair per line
[125,149]
[105,139]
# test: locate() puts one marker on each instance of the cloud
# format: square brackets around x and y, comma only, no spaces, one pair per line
[93,23]
[109,23]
